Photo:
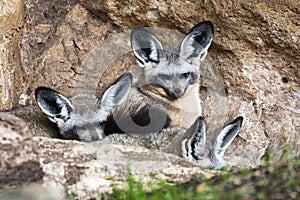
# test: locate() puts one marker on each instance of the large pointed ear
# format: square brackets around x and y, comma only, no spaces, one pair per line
[226,136]
[116,93]
[198,140]
[195,45]
[192,142]
[53,104]
[146,47]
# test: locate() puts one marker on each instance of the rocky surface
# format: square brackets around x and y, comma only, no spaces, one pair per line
[253,71]
[11,73]
[78,169]
[57,36]
[92,168]
[19,163]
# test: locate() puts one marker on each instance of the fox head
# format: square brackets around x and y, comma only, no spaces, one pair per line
[82,117]
[193,145]
[165,69]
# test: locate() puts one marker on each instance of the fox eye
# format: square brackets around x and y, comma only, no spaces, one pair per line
[185,75]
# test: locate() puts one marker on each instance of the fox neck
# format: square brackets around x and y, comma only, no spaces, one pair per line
[160,93]
[184,110]
[191,107]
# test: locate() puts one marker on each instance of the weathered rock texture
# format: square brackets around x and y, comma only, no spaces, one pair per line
[19,163]
[11,74]
[255,49]
[83,170]
[57,36]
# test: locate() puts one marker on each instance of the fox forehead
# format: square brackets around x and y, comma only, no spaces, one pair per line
[172,63]
[87,117]
[87,126]
[86,110]
[85,102]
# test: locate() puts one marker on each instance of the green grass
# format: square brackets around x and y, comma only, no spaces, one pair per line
[270,181]
[195,190]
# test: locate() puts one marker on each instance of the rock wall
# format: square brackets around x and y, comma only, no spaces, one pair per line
[57,36]
[77,169]
[19,163]
[11,74]
[255,49]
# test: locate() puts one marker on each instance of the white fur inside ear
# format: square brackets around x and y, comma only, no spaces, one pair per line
[141,59]
[154,50]
[116,94]
[190,49]
[187,150]
[187,49]
[60,101]
[142,42]
[221,143]
[184,151]
[65,105]
[65,99]
[64,111]
[107,101]
[199,147]
[45,109]
[203,53]
[107,96]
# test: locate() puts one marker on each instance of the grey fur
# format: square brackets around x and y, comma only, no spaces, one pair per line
[190,144]
[211,155]
[83,116]
[173,72]
[166,78]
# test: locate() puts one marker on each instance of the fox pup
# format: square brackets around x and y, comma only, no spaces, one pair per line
[166,82]
[83,116]
[190,144]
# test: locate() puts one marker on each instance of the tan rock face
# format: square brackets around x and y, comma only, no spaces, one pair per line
[57,37]
[255,60]
[11,76]
[253,72]
[81,169]
[19,163]
[92,168]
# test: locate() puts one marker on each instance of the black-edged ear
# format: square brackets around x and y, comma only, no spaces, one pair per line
[116,93]
[192,142]
[198,140]
[53,104]
[226,136]
[145,46]
[195,45]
